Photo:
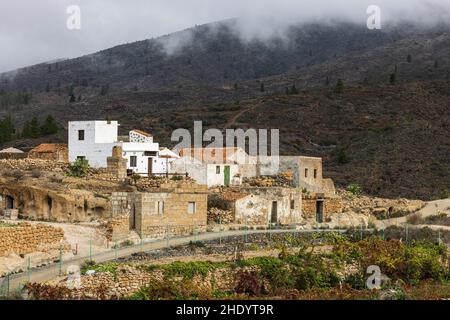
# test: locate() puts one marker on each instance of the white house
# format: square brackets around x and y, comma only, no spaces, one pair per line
[94,140]
[203,172]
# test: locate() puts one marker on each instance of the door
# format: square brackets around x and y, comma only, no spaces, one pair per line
[319,211]
[226,175]
[274,214]
[133,218]
[150,166]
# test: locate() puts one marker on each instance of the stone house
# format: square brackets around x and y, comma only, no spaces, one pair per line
[12,153]
[173,209]
[50,151]
[261,206]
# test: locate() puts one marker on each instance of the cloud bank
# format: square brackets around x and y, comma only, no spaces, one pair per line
[35,31]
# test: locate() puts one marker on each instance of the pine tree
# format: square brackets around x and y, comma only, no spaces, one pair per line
[72,98]
[262,89]
[6,129]
[393,78]
[293,90]
[339,86]
[50,126]
[409,58]
[26,131]
[35,128]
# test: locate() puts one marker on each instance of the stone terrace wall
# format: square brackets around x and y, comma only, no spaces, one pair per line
[26,238]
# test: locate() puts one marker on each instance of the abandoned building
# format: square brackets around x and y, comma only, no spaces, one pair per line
[174,208]
[50,151]
[261,206]
[12,153]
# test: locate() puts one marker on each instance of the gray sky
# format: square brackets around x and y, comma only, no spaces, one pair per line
[34,31]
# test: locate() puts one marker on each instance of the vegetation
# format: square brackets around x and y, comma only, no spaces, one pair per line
[354,189]
[339,88]
[79,168]
[6,129]
[310,273]
[33,129]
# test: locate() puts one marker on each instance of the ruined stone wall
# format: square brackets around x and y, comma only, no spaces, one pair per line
[118,228]
[256,209]
[331,206]
[26,238]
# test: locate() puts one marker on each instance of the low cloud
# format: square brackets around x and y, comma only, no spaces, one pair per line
[35,31]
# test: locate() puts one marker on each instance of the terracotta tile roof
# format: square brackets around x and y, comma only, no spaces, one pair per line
[49,148]
[233,196]
[210,155]
[145,134]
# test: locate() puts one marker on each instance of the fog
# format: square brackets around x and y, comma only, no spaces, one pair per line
[36,31]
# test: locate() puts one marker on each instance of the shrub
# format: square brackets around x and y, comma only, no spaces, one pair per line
[415,218]
[354,189]
[248,282]
[79,168]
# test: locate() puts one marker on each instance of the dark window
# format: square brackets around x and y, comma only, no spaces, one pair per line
[80,135]
[315,173]
[292,204]
[306,172]
[150,153]
[217,169]
[133,161]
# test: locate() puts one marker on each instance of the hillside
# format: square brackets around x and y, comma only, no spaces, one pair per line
[375,133]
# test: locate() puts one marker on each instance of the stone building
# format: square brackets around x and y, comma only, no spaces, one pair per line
[261,206]
[50,151]
[173,209]
[12,153]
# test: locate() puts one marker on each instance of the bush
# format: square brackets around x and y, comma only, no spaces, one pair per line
[354,189]
[79,168]
[415,218]
[248,282]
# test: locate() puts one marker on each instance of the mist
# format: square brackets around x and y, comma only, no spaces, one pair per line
[35,31]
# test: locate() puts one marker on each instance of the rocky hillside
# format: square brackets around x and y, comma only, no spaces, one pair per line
[388,129]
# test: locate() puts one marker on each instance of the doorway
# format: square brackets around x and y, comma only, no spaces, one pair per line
[274,213]
[133,218]
[9,202]
[319,211]
[150,167]
[226,176]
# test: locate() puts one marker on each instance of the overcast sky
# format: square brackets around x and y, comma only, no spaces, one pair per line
[34,31]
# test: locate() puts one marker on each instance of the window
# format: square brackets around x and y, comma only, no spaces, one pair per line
[217,169]
[306,172]
[133,161]
[292,204]
[160,207]
[80,135]
[191,207]
[315,173]
[150,153]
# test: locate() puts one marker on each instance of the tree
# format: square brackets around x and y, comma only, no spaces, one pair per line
[72,98]
[262,87]
[409,58]
[35,128]
[50,126]
[6,129]
[339,86]
[327,81]
[47,88]
[436,64]
[393,78]
[293,90]
[104,90]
